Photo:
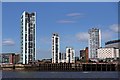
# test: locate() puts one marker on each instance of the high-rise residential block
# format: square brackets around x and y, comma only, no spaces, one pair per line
[94,42]
[55,48]
[28,37]
[70,55]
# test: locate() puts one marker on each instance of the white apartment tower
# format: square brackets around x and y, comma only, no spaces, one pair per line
[94,42]
[28,37]
[55,48]
[70,55]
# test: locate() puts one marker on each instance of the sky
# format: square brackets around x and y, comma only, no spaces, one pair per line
[71,20]
[61,1]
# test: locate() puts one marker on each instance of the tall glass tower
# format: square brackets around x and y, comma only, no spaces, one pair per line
[94,42]
[28,37]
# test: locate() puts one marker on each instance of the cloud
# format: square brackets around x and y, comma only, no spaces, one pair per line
[82,36]
[66,21]
[68,39]
[74,14]
[8,42]
[115,28]
[72,18]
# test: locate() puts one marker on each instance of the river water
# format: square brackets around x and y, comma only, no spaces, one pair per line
[26,75]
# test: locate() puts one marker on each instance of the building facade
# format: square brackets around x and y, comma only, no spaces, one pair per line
[28,37]
[9,58]
[104,53]
[63,57]
[84,55]
[113,43]
[94,42]
[55,48]
[70,55]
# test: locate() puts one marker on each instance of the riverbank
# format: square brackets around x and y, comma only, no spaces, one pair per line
[61,67]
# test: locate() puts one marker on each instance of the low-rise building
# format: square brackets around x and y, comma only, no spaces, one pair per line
[113,43]
[47,60]
[108,53]
[9,58]
[84,55]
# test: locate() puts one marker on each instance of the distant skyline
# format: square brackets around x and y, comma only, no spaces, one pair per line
[70,20]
